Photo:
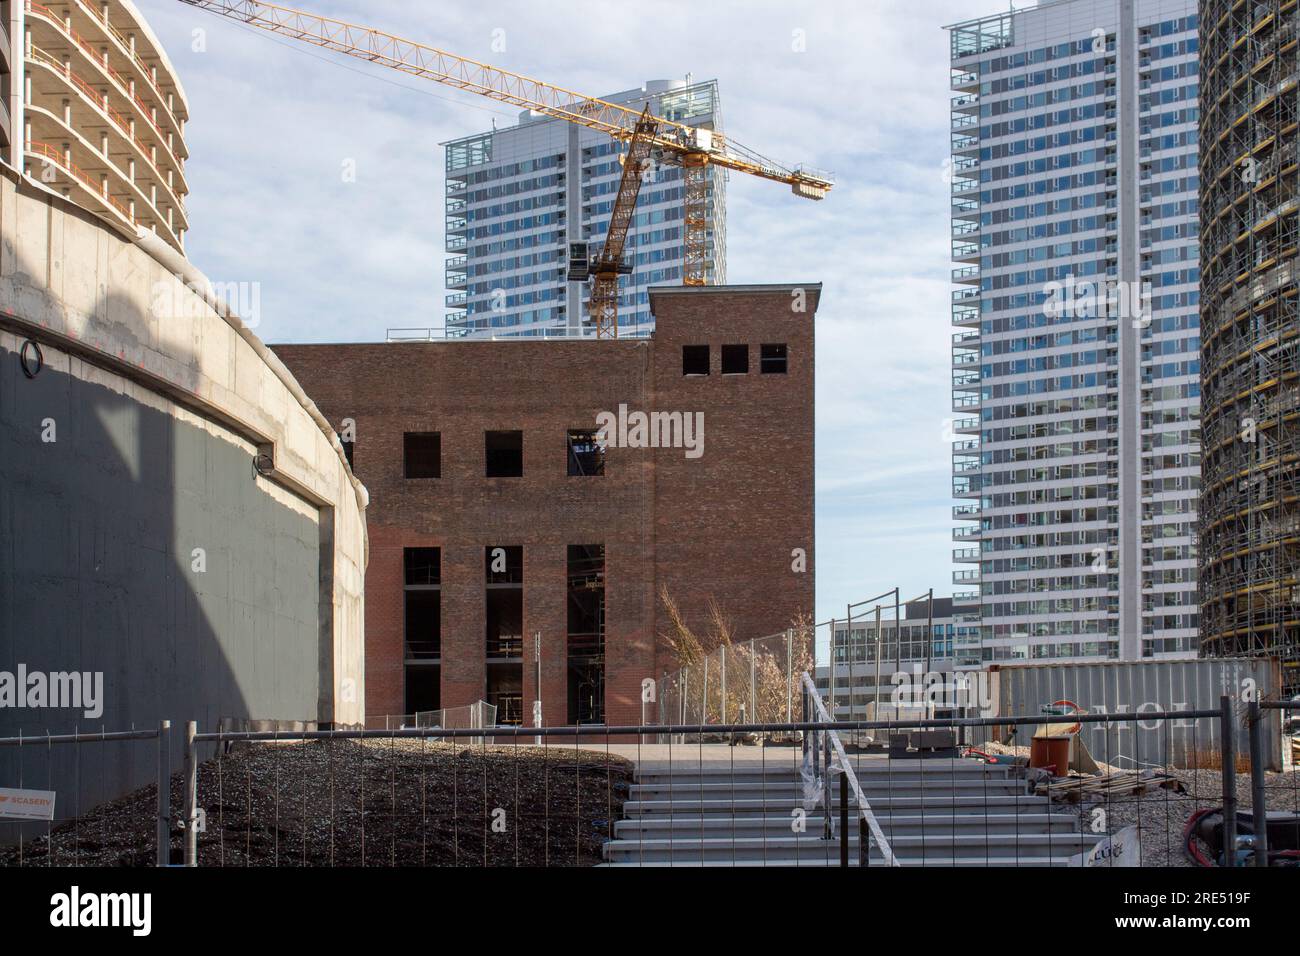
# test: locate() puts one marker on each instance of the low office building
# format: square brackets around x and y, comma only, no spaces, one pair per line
[857,682]
[531,501]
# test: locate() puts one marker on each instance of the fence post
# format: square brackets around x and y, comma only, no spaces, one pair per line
[1258,809]
[753,687]
[663,706]
[826,782]
[789,675]
[704,692]
[803,734]
[191,796]
[844,819]
[864,840]
[722,651]
[164,793]
[1228,756]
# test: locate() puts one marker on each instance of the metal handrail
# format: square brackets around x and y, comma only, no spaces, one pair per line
[864,808]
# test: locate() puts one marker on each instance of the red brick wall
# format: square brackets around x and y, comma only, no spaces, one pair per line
[721,525]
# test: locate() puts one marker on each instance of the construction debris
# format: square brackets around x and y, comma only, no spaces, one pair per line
[1106,786]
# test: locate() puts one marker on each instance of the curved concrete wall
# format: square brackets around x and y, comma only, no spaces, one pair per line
[166,401]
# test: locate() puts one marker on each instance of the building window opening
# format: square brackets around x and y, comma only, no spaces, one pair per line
[735,360]
[695,360]
[586,454]
[503,454]
[773,359]
[504,645]
[422,454]
[422,593]
[586,634]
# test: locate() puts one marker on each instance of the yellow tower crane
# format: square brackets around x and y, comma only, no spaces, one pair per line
[693,148]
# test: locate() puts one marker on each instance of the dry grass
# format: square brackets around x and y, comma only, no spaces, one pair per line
[761,677]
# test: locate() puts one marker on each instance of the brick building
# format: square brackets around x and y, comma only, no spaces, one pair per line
[497,513]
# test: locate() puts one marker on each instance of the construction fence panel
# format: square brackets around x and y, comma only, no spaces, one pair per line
[580,796]
[50,784]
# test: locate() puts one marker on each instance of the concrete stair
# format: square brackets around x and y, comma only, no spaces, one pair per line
[934,812]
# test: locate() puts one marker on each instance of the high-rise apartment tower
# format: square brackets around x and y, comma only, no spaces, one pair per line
[1076,374]
[517,196]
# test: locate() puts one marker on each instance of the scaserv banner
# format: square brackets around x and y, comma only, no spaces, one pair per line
[1121,849]
[26,804]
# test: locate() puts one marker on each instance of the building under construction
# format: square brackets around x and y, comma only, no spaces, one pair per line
[1250,326]
[532,501]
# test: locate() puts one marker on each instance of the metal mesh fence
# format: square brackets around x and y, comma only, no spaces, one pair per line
[755,681]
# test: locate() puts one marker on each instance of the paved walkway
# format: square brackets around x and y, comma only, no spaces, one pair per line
[688,756]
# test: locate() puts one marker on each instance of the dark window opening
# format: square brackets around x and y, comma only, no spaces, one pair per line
[423,624]
[586,455]
[586,634]
[503,453]
[695,360]
[423,565]
[422,594]
[423,689]
[504,564]
[773,359]
[735,359]
[505,624]
[505,691]
[503,568]
[422,454]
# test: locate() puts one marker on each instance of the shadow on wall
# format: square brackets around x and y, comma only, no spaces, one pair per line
[138,543]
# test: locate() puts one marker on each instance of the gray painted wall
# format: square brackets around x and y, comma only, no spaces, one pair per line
[97,531]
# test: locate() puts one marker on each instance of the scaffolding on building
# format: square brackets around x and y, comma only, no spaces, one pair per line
[1250,333]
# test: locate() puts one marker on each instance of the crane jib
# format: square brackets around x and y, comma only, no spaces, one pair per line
[694,148]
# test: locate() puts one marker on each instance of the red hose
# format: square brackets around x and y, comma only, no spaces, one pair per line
[1190,843]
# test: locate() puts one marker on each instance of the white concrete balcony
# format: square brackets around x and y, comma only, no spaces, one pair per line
[107,29]
[81,109]
[60,156]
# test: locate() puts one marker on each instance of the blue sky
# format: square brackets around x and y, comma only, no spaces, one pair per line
[273,123]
